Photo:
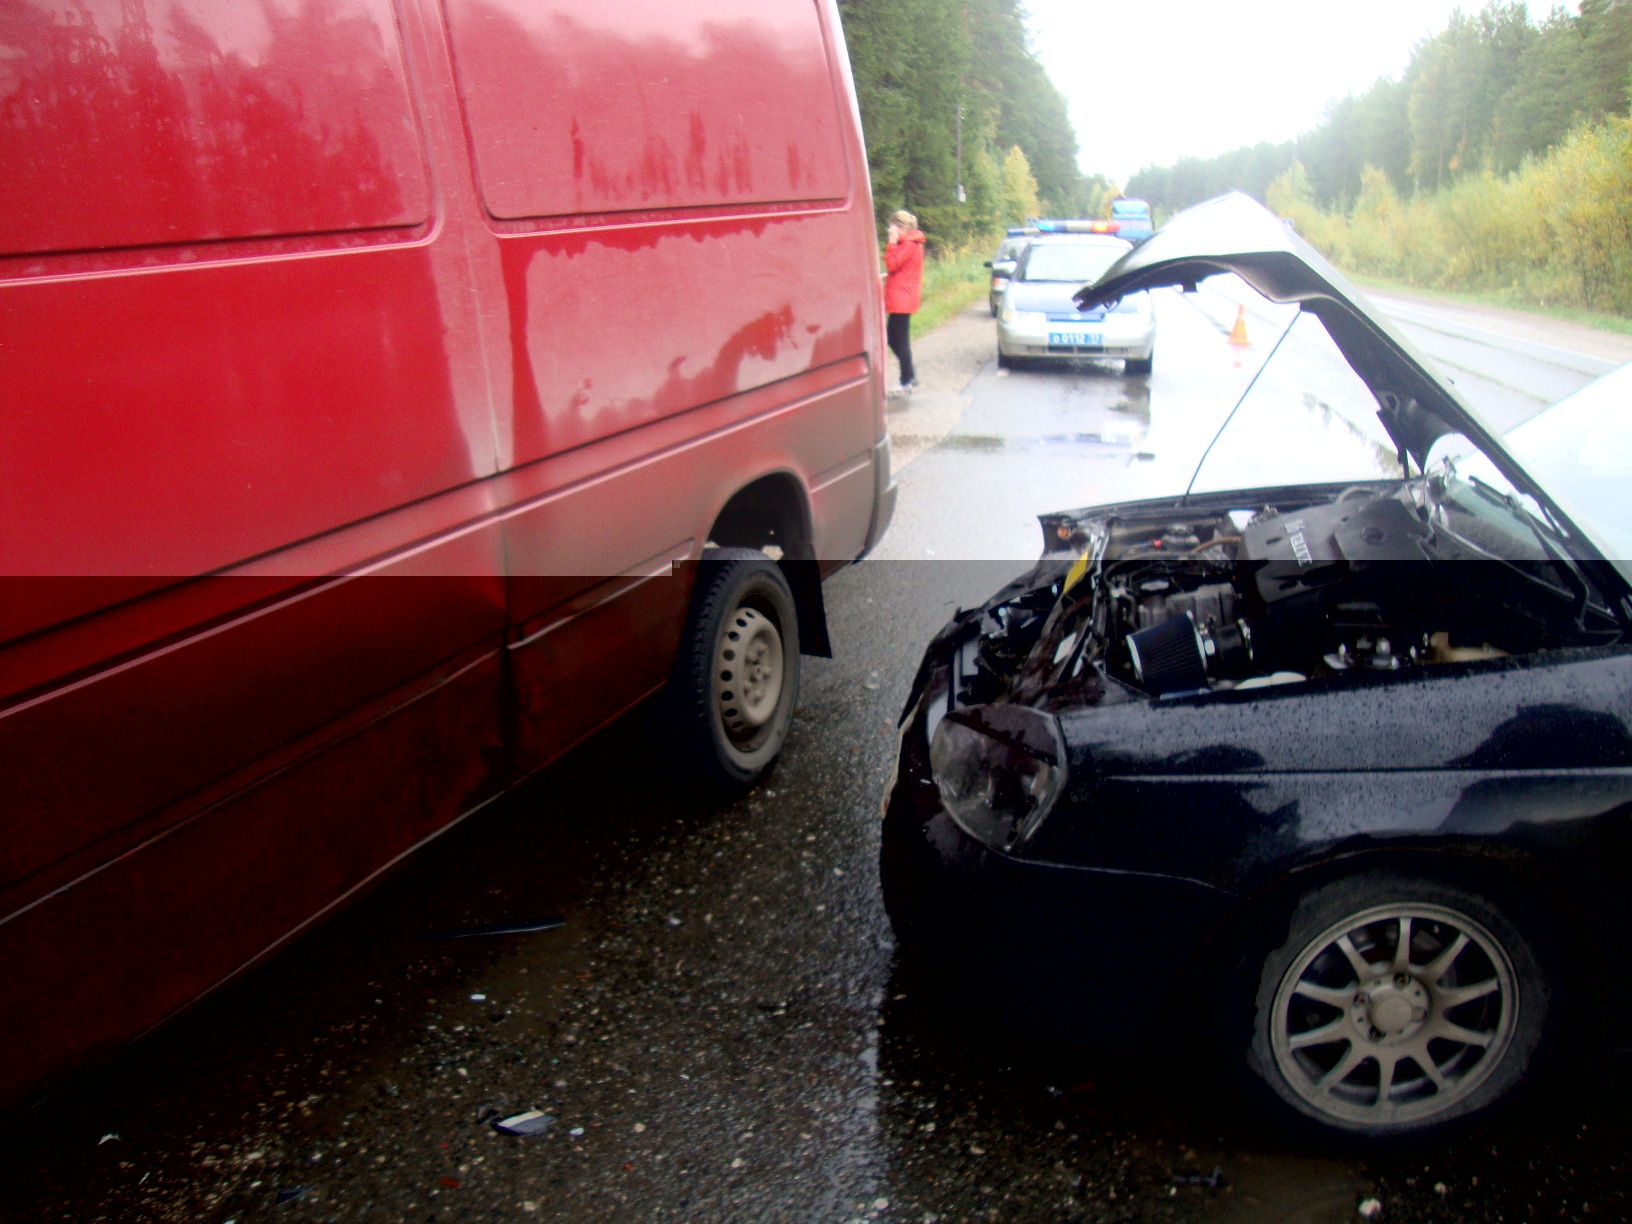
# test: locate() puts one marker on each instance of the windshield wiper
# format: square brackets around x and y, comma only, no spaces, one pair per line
[1580,585]
[1515,504]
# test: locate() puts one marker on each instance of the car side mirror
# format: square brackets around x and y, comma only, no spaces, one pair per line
[987,264]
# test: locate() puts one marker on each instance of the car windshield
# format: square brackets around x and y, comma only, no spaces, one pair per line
[1070,261]
[1127,209]
[1580,452]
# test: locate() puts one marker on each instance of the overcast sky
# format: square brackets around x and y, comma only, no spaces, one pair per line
[1150,81]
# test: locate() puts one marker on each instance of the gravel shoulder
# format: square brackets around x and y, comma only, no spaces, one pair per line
[947,360]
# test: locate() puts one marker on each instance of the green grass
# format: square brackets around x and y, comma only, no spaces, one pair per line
[1569,314]
[952,283]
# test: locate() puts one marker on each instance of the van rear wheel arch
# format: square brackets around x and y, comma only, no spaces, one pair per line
[772,515]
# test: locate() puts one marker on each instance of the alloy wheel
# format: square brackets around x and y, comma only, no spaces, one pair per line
[1393,1015]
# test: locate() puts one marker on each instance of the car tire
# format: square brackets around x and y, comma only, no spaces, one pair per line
[1139,365]
[1004,361]
[742,615]
[993,305]
[1459,1024]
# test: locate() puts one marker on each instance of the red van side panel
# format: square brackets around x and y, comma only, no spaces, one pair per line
[686,314]
[216,413]
[260,856]
[636,104]
[141,123]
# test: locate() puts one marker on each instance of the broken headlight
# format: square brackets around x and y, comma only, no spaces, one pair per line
[999,769]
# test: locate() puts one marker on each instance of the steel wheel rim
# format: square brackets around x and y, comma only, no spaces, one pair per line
[1394,1015]
[749,672]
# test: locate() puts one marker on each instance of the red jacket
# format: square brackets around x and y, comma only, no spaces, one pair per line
[904,273]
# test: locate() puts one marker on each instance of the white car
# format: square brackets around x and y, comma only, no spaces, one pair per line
[1040,320]
[1002,266]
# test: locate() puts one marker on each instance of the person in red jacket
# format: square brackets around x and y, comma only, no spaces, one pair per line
[903,289]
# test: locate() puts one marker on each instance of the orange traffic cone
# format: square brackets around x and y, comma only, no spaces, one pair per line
[1238,333]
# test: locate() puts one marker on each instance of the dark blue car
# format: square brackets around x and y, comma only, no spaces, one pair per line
[1330,781]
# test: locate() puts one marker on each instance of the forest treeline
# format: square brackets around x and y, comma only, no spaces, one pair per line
[1489,91]
[1499,162]
[915,63]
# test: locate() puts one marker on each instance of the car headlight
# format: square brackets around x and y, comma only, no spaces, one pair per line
[999,769]
[1024,318]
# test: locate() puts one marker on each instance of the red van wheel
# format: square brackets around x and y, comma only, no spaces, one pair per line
[736,677]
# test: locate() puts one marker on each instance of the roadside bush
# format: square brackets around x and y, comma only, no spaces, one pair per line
[1586,186]
[953,281]
[1557,231]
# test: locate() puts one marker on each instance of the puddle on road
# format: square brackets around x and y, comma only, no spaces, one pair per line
[974,442]
[975,1123]
[1120,440]
[1285,1188]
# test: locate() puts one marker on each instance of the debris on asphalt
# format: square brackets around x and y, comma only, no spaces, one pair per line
[292,1194]
[1054,1092]
[532,1122]
[1213,1181]
[452,1183]
[871,682]
[106,1138]
[517,928]
[1370,1208]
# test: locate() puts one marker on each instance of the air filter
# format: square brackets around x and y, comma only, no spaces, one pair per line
[1169,657]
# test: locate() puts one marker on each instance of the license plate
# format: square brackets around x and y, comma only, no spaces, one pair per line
[1077,338]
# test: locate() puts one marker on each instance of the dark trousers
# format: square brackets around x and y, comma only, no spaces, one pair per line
[898,331]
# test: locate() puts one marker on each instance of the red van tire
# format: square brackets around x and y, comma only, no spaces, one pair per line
[736,675]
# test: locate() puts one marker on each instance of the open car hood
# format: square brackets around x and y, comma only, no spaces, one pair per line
[1234,233]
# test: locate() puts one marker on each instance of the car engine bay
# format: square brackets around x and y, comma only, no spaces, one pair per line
[1399,574]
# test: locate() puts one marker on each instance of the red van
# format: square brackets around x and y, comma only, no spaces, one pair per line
[392,392]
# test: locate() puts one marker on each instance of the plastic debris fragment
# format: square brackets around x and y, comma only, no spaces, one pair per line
[532,1122]
[1213,1181]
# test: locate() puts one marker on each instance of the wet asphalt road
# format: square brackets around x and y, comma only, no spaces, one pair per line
[720,1028]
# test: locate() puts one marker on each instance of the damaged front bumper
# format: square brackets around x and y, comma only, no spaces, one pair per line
[1073,953]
